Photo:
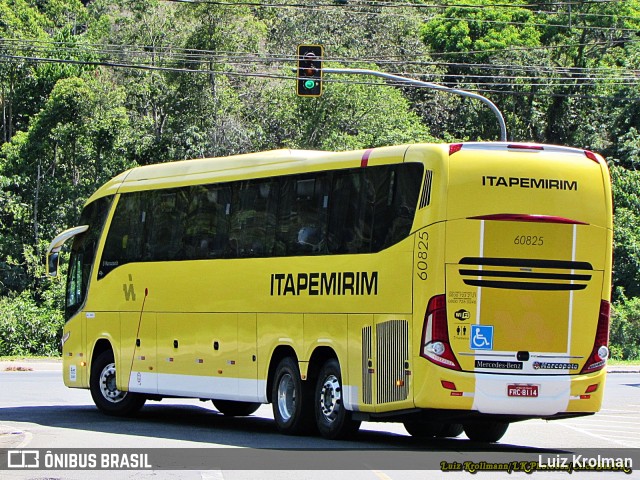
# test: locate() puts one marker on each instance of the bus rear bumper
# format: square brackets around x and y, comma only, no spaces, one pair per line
[531,396]
[521,394]
[538,395]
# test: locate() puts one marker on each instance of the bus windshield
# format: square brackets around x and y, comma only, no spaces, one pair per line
[83,252]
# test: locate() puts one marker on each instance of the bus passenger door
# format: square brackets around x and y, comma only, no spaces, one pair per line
[138,351]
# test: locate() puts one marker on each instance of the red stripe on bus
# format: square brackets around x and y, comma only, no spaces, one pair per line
[523,217]
[365,157]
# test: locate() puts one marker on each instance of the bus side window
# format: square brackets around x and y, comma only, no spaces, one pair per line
[311,207]
[124,242]
[205,231]
[248,234]
[285,227]
[403,202]
[346,214]
[165,231]
[301,222]
[379,215]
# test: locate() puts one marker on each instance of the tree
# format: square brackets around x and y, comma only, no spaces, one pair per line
[22,26]
[74,144]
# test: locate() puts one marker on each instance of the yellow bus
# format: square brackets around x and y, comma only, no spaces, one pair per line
[449,287]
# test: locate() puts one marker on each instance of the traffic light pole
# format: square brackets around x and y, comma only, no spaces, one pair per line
[434,86]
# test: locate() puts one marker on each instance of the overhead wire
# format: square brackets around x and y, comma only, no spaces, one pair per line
[187,60]
[279,76]
[195,56]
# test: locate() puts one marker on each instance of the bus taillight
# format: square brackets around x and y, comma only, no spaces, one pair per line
[454,148]
[600,353]
[435,335]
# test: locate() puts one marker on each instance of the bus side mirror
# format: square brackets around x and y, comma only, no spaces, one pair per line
[53,252]
[53,259]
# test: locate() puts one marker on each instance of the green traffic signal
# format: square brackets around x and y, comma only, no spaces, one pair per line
[309,82]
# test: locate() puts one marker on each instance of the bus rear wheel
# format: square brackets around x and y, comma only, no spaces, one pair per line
[107,397]
[333,419]
[291,399]
[235,409]
[485,431]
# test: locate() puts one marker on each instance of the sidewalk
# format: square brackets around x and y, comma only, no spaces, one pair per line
[39,365]
[28,365]
[623,368]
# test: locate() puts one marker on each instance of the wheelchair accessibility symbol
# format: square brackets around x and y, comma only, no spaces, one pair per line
[482,337]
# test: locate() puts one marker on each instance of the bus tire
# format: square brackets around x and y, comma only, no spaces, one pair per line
[334,421]
[421,429]
[291,399]
[104,392]
[231,408]
[485,431]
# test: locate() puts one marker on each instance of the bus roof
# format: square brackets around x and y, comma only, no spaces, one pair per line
[290,161]
[260,164]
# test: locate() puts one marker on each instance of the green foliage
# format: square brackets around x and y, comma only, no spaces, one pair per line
[482,28]
[27,328]
[348,116]
[624,336]
[76,142]
[626,252]
[31,321]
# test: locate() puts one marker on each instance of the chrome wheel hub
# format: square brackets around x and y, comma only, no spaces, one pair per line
[331,398]
[286,397]
[108,384]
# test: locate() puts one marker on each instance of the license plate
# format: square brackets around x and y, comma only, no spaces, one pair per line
[522,390]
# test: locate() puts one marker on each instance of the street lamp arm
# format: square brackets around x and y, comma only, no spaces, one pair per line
[434,86]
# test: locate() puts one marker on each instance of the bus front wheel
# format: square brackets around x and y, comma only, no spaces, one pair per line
[333,419]
[107,397]
[291,399]
[485,431]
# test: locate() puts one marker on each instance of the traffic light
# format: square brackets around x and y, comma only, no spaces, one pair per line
[309,70]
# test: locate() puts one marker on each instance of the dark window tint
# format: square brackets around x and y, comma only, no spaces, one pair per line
[301,226]
[253,218]
[361,210]
[207,222]
[372,208]
[125,240]
[83,251]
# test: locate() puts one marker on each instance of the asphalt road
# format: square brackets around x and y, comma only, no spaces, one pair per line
[38,412]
